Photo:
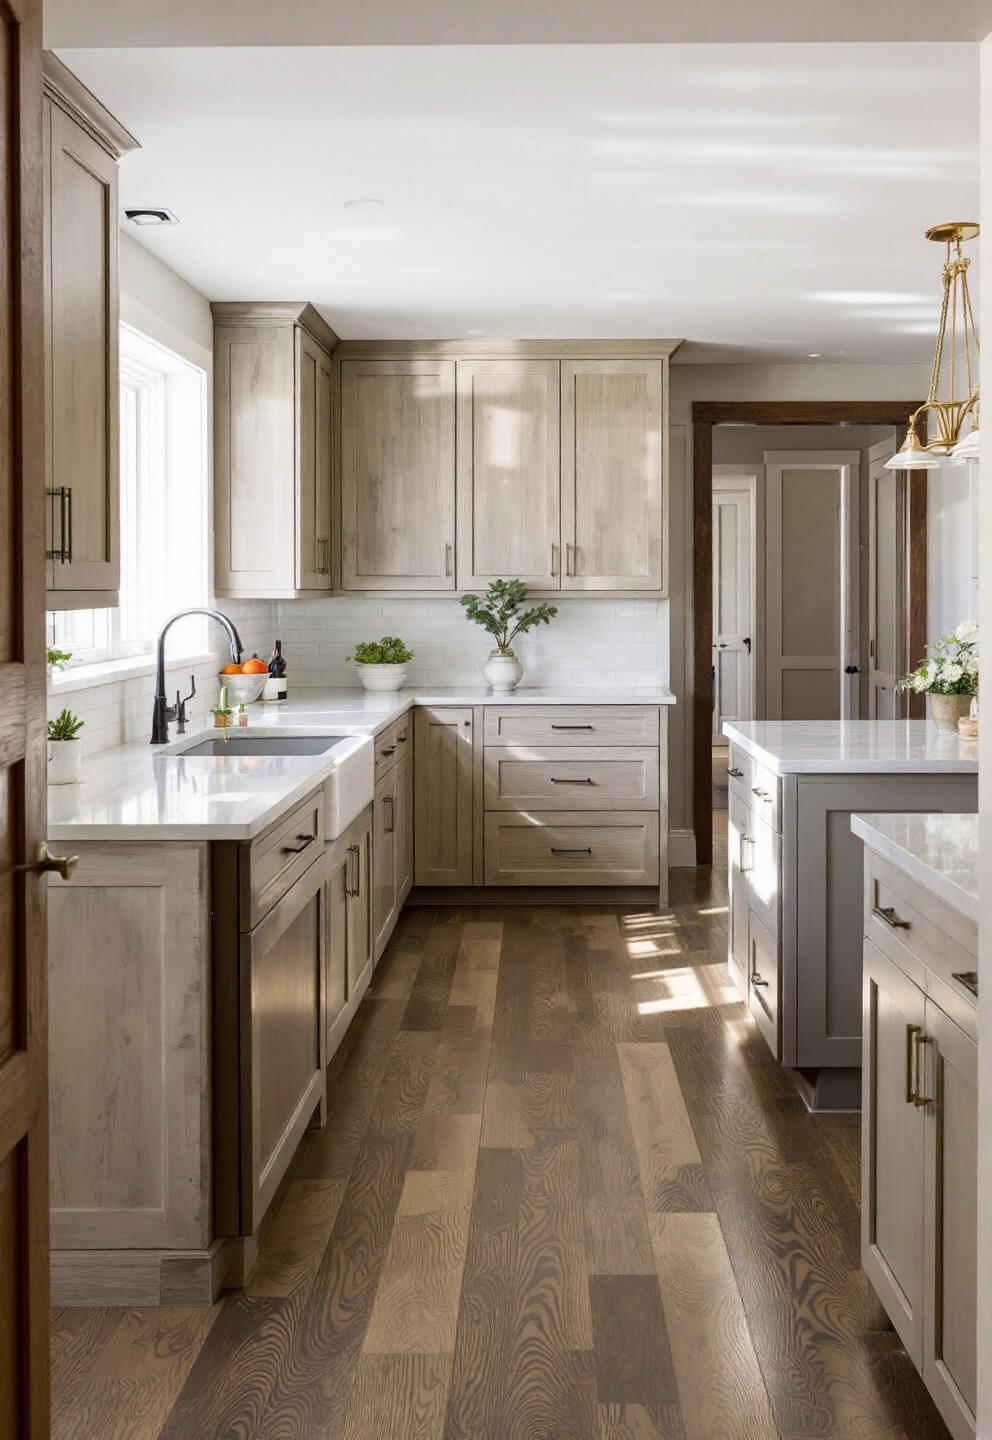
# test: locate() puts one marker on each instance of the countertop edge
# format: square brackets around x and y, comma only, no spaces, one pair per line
[915,867]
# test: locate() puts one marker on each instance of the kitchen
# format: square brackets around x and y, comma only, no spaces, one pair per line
[397,1081]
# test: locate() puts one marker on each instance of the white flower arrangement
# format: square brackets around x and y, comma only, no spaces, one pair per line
[950,666]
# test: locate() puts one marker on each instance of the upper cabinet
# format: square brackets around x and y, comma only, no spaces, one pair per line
[540,460]
[82,146]
[398,474]
[272,450]
[612,474]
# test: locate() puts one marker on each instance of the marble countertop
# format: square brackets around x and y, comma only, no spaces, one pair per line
[850,747]
[144,792]
[937,852]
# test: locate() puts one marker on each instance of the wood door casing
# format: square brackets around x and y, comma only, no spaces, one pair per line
[24,1404]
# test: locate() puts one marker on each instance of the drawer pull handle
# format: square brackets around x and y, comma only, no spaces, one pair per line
[888,916]
[761,794]
[565,780]
[388,750]
[757,980]
[920,1101]
[911,1033]
[353,886]
[302,842]
[571,850]
[736,774]
[573,727]
[388,800]
[967,978]
[402,738]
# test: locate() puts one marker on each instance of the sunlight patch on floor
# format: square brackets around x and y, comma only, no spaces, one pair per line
[689,988]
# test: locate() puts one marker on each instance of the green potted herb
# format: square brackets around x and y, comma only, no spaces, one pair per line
[381,664]
[55,659]
[499,613]
[65,751]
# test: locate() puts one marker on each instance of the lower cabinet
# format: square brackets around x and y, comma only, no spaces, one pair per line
[445,801]
[919,1181]
[348,951]
[392,848]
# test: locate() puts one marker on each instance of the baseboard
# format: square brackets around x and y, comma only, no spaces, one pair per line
[146,1277]
[681,849]
[534,895]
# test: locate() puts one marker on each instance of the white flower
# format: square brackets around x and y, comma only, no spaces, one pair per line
[919,683]
[967,632]
[951,672]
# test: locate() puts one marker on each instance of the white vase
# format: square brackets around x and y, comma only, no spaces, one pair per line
[503,671]
[947,710]
[382,677]
[65,761]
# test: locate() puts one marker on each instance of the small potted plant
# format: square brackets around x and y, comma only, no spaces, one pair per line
[948,675]
[65,751]
[381,664]
[499,613]
[222,712]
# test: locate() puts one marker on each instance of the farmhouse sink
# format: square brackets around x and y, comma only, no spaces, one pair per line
[264,745]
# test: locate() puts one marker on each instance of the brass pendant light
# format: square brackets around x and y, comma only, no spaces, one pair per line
[949,415]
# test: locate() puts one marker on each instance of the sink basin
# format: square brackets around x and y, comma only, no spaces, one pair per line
[265,745]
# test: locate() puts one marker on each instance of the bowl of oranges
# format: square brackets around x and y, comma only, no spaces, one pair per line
[245,682]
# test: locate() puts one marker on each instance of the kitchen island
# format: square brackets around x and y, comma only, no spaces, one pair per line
[795,874]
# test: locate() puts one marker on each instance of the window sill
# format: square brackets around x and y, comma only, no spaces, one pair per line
[109,672]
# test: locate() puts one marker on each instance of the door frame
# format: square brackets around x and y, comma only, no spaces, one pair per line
[747,476]
[706,414]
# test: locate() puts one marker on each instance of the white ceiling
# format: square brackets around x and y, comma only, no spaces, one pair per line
[764,201]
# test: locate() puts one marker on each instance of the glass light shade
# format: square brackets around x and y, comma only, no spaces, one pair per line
[913,456]
[968,451]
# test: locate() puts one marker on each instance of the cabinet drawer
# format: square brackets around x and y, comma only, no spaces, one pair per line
[761,850]
[572,725]
[547,848]
[279,857]
[572,778]
[763,981]
[739,774]
[388,745]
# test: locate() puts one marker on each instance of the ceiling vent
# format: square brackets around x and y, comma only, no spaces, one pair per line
[151,215]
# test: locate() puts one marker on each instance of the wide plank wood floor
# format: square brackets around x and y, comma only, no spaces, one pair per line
[563,1193]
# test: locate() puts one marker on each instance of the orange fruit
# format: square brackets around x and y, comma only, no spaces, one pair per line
[231,670]
[254,666]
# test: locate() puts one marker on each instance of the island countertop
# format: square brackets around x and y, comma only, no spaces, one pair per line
[849,747]
[145,792]
[937,852]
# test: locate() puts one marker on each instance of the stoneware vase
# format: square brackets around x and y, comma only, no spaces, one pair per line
[65,761]
[947,710]
[503,671]
[382,677]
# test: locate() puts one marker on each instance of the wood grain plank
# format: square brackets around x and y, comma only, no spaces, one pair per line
[632,1355]
[416,1303]
[637,1422]
[297,1238]
[671,1169]
[402,1397]
[616,1230]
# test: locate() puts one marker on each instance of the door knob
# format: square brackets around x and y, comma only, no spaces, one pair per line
[851,670]
[44,861]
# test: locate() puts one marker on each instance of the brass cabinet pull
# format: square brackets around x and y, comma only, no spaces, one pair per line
[571,850]
[967,978]
[388,750]
[569,559]
[761,794]
[447,561]
[919,1043]
[353,887]
[302,841]
[62,552]
[756,978]
[388,800]
[45,862]
[744,840]
[564,780]
[554,558]
[888,916]
[911,1033]
[736,774]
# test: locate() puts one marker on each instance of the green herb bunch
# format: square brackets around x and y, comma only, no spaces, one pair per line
[390,650]
[65,726]
[499,611]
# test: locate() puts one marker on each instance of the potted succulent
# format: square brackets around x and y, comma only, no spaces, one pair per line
[65,751]
[223,712]
[500,614]
[381,664]
[948,674]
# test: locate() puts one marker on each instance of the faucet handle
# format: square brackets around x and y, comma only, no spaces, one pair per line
[180,715]
[192,690]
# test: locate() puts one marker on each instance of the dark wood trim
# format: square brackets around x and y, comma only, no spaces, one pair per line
[706,414]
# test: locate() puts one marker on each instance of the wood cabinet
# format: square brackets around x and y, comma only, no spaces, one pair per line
[509,489]
[919,1144]
[392,834]
[444,805]
[348,952]
[82,147]
[398,474]
[612,474]
[272,451]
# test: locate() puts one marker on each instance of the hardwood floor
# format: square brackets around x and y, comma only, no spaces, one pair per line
[564,1193]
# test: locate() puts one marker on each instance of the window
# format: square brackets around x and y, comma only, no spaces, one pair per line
[164,513]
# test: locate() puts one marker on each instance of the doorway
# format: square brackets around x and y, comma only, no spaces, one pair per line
[781,665]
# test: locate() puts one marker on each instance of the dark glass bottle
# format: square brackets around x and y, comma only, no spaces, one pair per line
[277,685]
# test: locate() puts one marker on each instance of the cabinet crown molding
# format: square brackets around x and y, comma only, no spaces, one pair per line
[276,312]
[508,349]
[67,91]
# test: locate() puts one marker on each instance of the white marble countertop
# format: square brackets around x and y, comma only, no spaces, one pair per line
[144,792]
[850,747]
[937,852]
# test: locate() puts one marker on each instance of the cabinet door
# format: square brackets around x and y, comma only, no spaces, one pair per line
[384,861]
[359,910]
[612,474]
[950,1355]
[313,464]
[737,910]
[404,830]
[398,474]
[336,916]
[254,460]
[444,808]
[282,1037]
[892,1146]
[509,479]
[81,331]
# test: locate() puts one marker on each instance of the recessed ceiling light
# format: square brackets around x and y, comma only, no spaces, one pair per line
[366,203]
[151,215]
[815,355]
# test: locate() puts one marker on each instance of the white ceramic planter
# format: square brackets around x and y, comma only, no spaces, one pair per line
[382,677]
[503,671]
[65,761]
[947,710]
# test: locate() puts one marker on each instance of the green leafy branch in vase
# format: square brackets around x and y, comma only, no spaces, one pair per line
[65,726]
[499,611]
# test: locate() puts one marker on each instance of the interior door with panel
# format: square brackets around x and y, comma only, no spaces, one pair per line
[886,581]
[734,585]
[313,463]
[509,475]
[612,475]
[398,474]
[24,1315]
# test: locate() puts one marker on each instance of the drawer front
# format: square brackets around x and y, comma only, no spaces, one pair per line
[545,848]
[572,778]
[280,857]
[903,932]
[572,725]
[762,856]
[765,795]
[387,745]
[764,971]
[739,774]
